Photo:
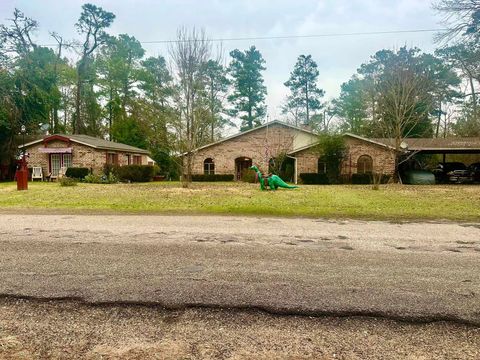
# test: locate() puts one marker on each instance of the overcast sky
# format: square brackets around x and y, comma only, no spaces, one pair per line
[337,57]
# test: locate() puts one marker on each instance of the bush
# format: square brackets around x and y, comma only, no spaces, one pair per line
[367,179]
[67,181]
[135,173]
[77,172]
[101,179]
[314,178]
[213,177]
[361,179]
[110,168]
[248,176]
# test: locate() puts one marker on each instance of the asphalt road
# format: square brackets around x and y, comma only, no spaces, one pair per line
[410,271]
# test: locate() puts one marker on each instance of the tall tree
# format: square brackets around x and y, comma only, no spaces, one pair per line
[156,83]
[92,24]
[27,86]
[302,83]
[216,88]
[189,54]
[119,68]
[405,100]
[465,58]
[248,97]
[352,106]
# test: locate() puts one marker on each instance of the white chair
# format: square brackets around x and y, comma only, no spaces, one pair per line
[37,173]
[62,172]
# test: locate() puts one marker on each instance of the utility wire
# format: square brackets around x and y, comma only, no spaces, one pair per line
[283,37]
[299,36]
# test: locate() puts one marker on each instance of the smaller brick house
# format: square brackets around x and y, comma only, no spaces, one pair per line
[53,152]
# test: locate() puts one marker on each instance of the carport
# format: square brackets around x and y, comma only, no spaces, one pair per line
[444,146]
[467,149]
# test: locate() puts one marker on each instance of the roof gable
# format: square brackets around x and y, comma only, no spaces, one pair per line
[266,125]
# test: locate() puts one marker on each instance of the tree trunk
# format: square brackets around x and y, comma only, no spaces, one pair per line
[474,98]
[77,124]
[110,115]
[306,104]
[439,119]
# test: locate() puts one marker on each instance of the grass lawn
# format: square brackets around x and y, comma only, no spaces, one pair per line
[391,202]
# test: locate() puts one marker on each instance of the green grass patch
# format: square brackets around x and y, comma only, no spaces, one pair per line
[391,202]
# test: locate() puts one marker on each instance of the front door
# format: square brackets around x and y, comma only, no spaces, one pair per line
[241,164]
[55,163]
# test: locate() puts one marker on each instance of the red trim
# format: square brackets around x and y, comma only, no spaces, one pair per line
[47,139]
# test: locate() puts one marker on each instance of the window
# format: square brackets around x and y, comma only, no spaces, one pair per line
[364,165]
[129,159]
[137,160]
[209,167]
[67,160]
[58,161]
[55,163]
[322,166]
[112,158]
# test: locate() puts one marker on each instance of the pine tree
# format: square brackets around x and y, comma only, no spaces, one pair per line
[303,86]
[249,91]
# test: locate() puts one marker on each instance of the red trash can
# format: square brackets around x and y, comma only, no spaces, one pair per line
[22,175]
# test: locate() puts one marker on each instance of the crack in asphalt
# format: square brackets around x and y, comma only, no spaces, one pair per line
[272,310]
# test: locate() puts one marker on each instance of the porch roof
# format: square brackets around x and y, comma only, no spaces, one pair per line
[90,141]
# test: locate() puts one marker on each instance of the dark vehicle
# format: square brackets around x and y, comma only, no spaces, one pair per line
[475,169]
[453,172]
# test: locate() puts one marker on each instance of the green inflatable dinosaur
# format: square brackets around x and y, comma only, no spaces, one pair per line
[272,181]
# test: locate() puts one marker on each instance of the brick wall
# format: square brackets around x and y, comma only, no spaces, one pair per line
[251,145]
[383,159]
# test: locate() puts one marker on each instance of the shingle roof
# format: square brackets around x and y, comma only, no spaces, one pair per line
[94,142]
[271,123]
[419,144]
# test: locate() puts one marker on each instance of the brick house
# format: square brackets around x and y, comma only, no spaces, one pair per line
[234,154]
[55,151]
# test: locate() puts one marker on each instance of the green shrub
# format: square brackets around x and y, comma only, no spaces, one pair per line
[367,179]
[361,179]
[248,176]
[101,179]
[135,173]
[213,177]
[110,168]
[333,151]
[67,181]
[77,172]
[314,178]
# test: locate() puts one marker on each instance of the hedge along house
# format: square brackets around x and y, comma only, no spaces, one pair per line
[56,151]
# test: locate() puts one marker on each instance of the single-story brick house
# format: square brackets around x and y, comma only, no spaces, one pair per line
[55,151]
[257,146]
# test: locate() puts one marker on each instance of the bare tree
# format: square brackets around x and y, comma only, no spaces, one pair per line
[18,37]
[460,16]
[404,101]
[189,54]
